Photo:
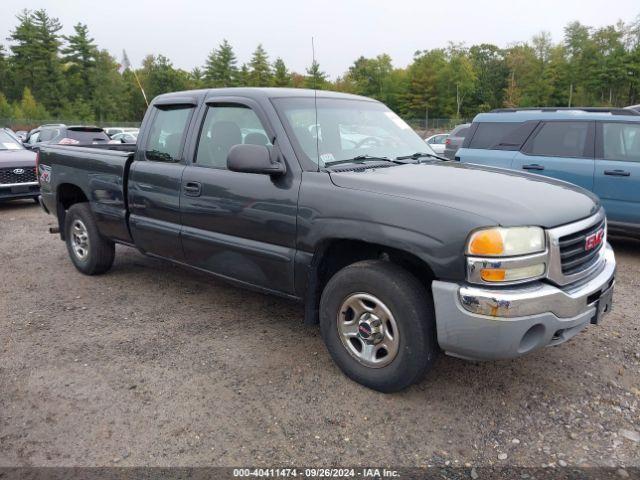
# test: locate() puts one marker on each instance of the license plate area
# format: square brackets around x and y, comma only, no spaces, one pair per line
[20,189]
[604,305]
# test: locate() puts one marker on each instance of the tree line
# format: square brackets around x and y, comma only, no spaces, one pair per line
[45,74]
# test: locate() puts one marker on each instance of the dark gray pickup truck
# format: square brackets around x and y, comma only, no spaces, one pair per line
[334,202]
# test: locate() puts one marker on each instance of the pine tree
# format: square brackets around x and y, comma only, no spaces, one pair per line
[260,74]
[243,76]
[35,57]
[221,68]
[281,76]
[316,78]
[80,58]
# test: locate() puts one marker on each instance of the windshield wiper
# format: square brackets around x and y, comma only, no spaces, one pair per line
[358,159]
[418,155]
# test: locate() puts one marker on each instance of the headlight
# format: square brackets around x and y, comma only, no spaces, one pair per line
[506,255]
[506,242]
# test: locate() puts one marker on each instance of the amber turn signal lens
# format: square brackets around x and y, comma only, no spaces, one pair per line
[493,274]
[486,242]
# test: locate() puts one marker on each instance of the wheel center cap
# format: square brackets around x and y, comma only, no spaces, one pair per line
[370,328]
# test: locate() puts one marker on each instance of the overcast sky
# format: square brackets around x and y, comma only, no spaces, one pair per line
[188,29]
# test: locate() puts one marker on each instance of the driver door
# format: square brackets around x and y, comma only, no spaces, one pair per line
[235,224]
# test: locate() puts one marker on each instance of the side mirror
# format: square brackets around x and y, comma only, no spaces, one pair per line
[253,159]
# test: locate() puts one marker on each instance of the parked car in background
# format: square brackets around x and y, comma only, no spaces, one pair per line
[454,140]
[634,107]
[125,137]
[595,148]
[22,135]
[67,135]
[33,137]
[437,142]
[17,169]
[12,133]
[111,131]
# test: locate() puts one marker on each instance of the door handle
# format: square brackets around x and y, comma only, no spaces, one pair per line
[533,166]
[617,173]
[193,189]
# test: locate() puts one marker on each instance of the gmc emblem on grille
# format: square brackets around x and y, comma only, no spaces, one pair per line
[18,171]
[593,240]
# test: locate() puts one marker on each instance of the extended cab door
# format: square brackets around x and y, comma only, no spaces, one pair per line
[560,149]
[617,172]
[238,225]
[155,180]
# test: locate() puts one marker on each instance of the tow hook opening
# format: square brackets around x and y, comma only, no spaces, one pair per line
[534,337]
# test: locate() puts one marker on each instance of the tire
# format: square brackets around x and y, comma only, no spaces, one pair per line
[389,289]
[90,252]
[35,199]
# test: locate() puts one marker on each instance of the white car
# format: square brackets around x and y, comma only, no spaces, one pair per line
[111,131]
[437,142]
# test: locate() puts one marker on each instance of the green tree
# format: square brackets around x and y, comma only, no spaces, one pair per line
[159,76]
[459,76]
[221,68]
[281,76]
[491,77]
[260,74]
[6,110]
[35,61]
[110,99]
[315,78]
[5,72]
[30,109]
[424,86]
[80,61]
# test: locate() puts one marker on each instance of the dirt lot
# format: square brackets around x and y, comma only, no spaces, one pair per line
[152,364]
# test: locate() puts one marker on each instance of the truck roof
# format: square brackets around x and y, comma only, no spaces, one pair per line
[259,92]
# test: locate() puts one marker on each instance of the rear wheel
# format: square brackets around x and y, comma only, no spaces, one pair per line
[90,252]
[378,324]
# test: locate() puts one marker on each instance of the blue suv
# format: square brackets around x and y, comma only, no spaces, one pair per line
[595,148]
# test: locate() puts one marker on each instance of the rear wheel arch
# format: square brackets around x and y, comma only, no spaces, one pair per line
[67,195]
[332,255]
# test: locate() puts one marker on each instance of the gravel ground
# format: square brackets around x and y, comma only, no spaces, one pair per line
[152,364]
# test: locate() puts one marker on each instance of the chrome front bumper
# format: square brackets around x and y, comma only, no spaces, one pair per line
[492,323]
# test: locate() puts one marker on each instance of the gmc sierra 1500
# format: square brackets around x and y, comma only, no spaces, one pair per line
[332,200]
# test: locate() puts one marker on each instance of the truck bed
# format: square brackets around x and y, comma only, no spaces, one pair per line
[100,171]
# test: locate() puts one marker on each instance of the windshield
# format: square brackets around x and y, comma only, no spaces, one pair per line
[7,142]
[345,129]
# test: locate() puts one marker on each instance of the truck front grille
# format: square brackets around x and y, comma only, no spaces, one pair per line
[573,250]
[17,175]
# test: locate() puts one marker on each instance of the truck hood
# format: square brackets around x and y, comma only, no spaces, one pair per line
[506,197]
[17,158]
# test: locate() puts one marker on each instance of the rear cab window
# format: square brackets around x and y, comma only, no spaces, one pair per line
[167,133]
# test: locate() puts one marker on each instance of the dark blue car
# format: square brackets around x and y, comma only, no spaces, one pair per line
[597,149]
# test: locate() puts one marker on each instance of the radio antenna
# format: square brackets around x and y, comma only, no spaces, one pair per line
[315,100]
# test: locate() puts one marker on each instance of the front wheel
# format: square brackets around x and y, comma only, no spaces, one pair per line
[90,252]
[378,324]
